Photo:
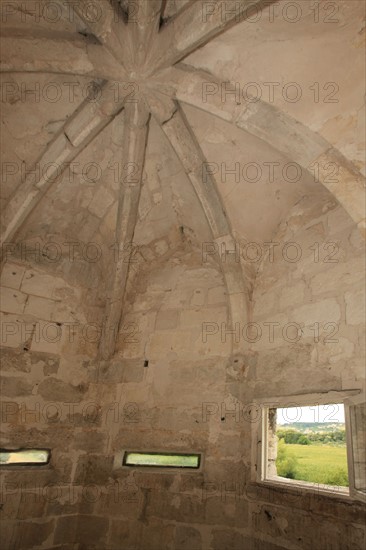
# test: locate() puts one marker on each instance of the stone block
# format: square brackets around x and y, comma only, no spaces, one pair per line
[65,313]
[41,284]
[191,318]
[122,371]
[340,349]
[53,389]
[123,500]
[161,247]
[10,412]
[12,275]
[176,507]
[264,304]
[157,536]
[230,508]
[187,538]
[42,308]
[12,301]
[292,295]
[71,500]
[229,539]
[48,337]
[14,330]
[323,311]
[163,342]
[31,534]
[198,297]
[66,529]
[92,530]
[15,361]
[90,441]
[100,203]
[119,531]
[217,344]
[51,366]
[355,307]
[15,387]
[167,319]
[337,275]
[216,295]
[95,469]
[10,497]
[31,506]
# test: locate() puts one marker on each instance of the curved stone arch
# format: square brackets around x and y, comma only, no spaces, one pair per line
[311,151]
[175,126]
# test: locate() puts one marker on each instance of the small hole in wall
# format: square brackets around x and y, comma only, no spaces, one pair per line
[26,349]
[269,515]
[223,419]
[146,363]
[59,324]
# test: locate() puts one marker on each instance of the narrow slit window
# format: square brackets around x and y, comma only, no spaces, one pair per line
[162,460]
[24,457]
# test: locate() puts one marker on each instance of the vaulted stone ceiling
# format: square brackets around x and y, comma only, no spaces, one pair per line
[134,100]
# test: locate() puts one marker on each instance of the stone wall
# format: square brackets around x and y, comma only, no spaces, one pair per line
[174,385]
[49,399]
[195,396]
[314,291]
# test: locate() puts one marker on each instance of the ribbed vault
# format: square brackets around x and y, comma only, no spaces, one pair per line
[132,48]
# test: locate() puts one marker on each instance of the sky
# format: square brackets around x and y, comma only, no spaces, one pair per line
[320,413]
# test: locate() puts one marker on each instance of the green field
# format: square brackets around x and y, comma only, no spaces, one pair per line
[324,464]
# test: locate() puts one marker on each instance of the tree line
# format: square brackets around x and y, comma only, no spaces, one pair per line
[291,436]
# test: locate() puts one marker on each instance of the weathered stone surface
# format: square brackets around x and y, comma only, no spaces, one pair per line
[42,308]
[224,539]
[120,530]
[167,319]
[41,284]
[12,275]
[324,311]
[121,370]
[187,538]
[93,469]
[54,389]
[91,176]
[355,308]
[12,360]
[12,301]
[32,534]
[15,387]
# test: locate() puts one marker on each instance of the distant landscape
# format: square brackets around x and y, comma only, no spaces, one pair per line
[313,426]
[313,451]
